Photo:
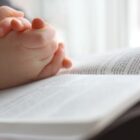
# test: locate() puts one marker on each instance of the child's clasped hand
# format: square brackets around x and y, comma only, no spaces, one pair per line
[28,51]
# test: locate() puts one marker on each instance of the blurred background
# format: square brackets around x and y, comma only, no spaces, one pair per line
[89,26]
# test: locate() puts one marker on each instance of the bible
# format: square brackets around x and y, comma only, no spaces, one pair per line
[86,102]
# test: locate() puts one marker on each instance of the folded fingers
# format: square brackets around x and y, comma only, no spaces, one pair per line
[20,24]
[16,24]
[6,11]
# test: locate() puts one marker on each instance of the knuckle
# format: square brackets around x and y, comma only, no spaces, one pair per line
[5,11]
[47,36]
[3,7]
[40,38]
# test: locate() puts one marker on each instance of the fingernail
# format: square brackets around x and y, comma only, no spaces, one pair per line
[1,32]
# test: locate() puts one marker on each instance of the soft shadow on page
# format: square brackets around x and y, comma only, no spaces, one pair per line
[128,122]
[47,108]
[126,61]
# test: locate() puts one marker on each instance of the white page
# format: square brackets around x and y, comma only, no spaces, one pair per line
[120,62]
[66,105]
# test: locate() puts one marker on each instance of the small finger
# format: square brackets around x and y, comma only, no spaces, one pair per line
[38,23]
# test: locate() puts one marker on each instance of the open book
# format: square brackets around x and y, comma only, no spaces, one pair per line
[74,105]
[126,61]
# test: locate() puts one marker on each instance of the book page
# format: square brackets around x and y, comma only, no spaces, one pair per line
[121,62]
[66,105]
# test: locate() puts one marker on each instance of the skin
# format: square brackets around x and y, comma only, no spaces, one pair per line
[28,51]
